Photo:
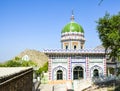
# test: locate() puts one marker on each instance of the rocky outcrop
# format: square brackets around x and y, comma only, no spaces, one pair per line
[36,56]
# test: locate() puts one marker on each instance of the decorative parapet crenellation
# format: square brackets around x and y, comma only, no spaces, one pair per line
[82,51]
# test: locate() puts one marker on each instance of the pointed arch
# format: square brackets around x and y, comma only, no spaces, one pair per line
[94,69]
[58,72]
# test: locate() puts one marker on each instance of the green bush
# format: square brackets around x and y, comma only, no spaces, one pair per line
[17,62]
[44,68]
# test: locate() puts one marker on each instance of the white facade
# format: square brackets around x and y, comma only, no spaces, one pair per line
[67,61]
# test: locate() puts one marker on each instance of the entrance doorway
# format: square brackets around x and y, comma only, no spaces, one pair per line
[96,73]
[59,75]
[77,73]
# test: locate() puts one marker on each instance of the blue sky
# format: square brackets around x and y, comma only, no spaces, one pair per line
[37,24]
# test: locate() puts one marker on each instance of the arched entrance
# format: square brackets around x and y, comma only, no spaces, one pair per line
[59,75]
[96,73]
[77,73]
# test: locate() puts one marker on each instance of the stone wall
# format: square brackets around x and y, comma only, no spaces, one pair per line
[21,81]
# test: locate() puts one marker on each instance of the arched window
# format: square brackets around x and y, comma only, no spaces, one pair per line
[96,73]
[75,47]
[81,47]
[77,73]
[59,75]
[66,47]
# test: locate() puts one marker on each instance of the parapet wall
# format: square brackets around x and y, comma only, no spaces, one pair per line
[21,80]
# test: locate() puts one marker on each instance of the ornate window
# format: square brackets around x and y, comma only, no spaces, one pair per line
[59,75]
[96,73]
[66,47]
[81,47]
[75,47]
[77,72]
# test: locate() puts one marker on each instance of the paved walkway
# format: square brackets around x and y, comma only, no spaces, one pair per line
[77,85]
[80,85]
[45,87]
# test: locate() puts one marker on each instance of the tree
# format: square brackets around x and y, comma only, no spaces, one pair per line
[17,62]
[12,63]
[2,65]
[109,33]
[100,2]
[28,63]
[43,68]
[17,58]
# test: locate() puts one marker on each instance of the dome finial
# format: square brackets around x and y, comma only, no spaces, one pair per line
[72,17]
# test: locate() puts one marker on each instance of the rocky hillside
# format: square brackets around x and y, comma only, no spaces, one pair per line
[100,47]
[36,56]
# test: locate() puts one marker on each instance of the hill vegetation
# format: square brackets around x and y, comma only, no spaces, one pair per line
[17,62]
[36,56]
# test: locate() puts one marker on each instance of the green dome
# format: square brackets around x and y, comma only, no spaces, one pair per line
[72,27]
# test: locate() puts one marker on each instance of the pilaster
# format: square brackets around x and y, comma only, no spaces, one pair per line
[104,64]
[87,67]
[69,68]
[49,68]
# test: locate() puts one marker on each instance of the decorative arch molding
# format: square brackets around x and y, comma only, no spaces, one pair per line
[78,65]
[100,70]
[54,73]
